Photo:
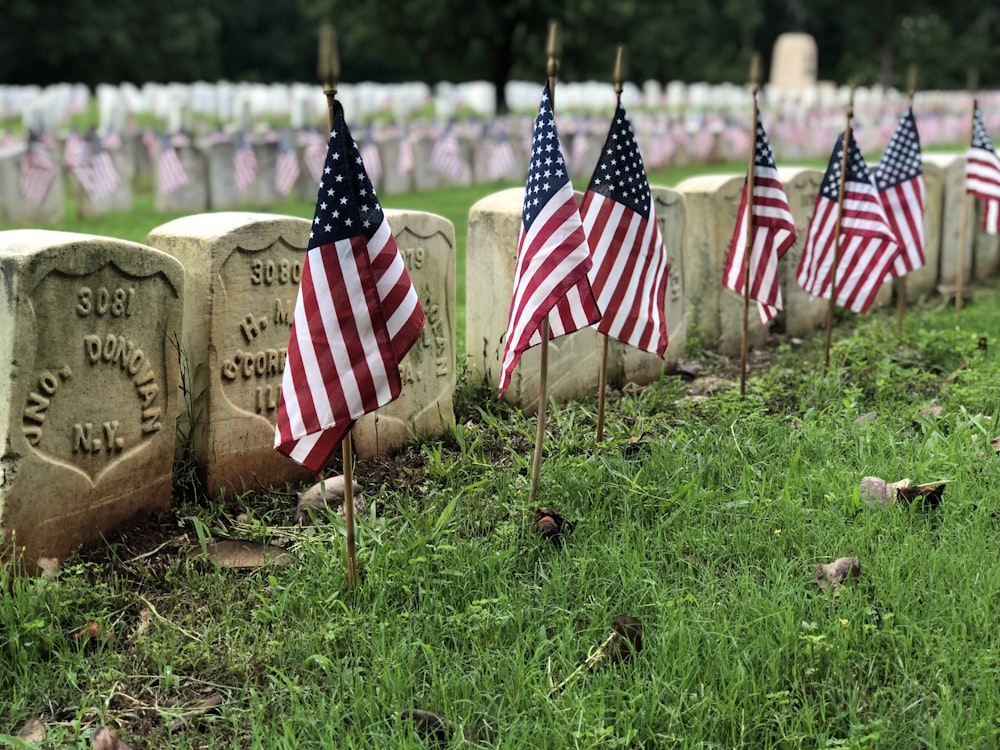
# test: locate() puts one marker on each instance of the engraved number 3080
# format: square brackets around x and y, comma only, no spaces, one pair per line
[101,301]
[268,272]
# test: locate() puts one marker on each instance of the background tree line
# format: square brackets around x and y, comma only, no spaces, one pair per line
[113,41]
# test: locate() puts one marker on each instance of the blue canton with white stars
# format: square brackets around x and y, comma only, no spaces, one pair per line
[901,161]
[547,171]
[346,205]
[763,155]
[857,169]
[619,174]
[980,136]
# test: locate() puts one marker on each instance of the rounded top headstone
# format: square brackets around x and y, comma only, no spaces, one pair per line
[793,61]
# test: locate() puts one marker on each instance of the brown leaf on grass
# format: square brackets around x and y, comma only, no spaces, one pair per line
[832,575]
[144,621]
[195,709]
[92,631]
[708,385]
[634,446]
[931,412]
[48,566]
[430,726]
[930,495]
[629,640]
[866,418]
[688,369]
[328,493]
[32,731]
[551,525]
[106,738]
[237,553]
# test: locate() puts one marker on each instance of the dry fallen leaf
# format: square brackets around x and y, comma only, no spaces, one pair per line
[687,369]
[329,493]
[32,731]
[144,621]
[92,632]
[834,574]
[47,566]
[196,709]
[629,640]
[866,418]
[708,385]
[931,412]
[551,525]
[430,726]
[930,495]
[107,738]
[236,553]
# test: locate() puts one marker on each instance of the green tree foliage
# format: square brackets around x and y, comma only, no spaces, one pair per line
[94,41]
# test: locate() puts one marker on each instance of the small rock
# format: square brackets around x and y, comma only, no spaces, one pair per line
[835,573]
[32,731]
[867,417]
[107,738]
[328,493]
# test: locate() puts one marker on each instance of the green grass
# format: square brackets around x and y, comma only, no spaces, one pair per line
[710,535]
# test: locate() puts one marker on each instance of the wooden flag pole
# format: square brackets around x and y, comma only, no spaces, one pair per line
[328,67]
[963,228]
[553,51]
[836,239]
[618,76]
[911,87]
[751,172]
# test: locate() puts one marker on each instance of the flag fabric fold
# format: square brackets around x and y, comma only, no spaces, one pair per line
[982,172]
[356,316]
[899,177]
[867,245]
[629,272]
[553,256]
[772,236]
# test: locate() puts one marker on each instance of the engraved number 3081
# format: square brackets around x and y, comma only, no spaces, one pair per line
[101,301]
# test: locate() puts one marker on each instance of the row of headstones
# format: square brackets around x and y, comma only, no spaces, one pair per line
[118,359]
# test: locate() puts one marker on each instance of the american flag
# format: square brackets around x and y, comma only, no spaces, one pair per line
[170,172]
[446,156]
[867,244]
[314,154]
[356,316]
[501,160]
[982,172]
[244,163]
[286,166]
[899,178]
[37,172]
[629,272]
[773,234]
[553,257]
[105,179]
[407,159]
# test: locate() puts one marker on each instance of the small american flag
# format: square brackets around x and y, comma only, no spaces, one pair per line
[982,172]
[104,174]
[245,164]
[446,156]
[286,166]
[371,156]
[867,245]
[407,158]
[553,257]
[501,159]
[629,272]
[170,172]
[773,234]
[314,154]
[899,178]
[356,316]
[37,172]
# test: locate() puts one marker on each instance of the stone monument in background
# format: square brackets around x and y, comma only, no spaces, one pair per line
[793,62]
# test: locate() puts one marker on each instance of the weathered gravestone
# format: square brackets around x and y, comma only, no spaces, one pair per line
[89,386]
[394,179]
[223,194]
[714,313]
[243,272]
[802,313]
[951,168]
[793,62]
[573,360]
[116,201]
[15,207]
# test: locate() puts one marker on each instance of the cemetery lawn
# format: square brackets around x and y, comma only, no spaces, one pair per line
[703,517]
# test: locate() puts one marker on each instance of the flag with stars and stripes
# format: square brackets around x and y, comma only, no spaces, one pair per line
[356,316]
[553,257]
[982,172]
[899,177]
[244,164]
[286,166]
[37,170]
[866,247]
[772,234]
[170,172]
[629,272]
